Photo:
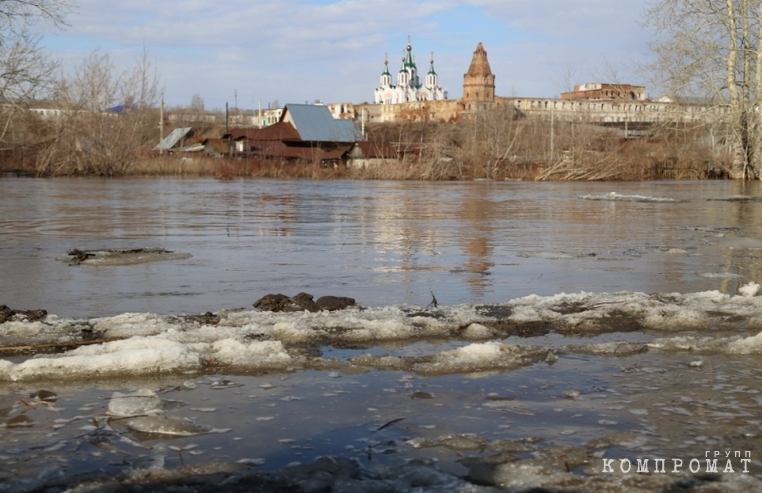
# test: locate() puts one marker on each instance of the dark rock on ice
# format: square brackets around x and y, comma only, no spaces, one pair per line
[332,303]
[301,302]
[421,395]
[305,301]
[88,333]
[207,318]
[7,314]
[274,303]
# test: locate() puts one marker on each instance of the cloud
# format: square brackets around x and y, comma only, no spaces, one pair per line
[299,50]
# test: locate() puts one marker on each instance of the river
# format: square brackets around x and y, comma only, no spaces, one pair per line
[575,323]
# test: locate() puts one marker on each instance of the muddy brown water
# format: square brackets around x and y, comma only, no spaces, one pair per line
[386,243]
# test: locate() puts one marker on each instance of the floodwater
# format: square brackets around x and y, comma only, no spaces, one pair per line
[493,388]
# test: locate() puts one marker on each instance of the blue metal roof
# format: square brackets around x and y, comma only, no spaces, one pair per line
[316,124]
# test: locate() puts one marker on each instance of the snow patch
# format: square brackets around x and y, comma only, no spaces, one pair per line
[749,290]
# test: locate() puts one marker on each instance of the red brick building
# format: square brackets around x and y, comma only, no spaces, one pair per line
[606,92]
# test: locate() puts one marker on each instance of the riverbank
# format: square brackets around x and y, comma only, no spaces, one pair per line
[406,169]
[491,146]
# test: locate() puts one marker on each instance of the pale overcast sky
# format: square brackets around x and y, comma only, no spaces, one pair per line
[299,50]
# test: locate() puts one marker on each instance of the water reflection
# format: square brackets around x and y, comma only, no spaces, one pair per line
[478,215]
[380,242]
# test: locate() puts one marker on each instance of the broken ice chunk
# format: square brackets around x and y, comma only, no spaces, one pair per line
[696,363]
[572,394]
[143,401]
[749,290]
[166,425]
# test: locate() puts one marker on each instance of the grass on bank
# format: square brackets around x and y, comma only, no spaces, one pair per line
[494,146]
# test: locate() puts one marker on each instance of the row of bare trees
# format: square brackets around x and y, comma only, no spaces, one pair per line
[26,71]
[105,117]
[97,116]
[711,49]
[502,144]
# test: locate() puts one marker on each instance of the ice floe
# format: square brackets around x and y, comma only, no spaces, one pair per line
[143,401]
[120,256]
[616,197]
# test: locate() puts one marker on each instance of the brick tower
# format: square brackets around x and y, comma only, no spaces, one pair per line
[479,82]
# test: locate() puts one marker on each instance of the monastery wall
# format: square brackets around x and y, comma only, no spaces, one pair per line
[596,111]
[543,108]
[591,103]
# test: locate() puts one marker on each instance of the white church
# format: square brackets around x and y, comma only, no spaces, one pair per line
[409,87]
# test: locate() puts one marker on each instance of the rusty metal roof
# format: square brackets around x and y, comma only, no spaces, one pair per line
[304,153]
[375,150]
[282,131]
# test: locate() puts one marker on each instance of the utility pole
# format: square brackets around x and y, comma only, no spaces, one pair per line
[363,124]
[161,124]
[552,124]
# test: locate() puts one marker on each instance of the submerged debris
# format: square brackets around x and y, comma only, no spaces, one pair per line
[736,198]
[389,423]
[120,256]
[44,395]
[433,301]
[166,425]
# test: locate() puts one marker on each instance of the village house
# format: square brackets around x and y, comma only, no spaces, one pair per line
[305,133]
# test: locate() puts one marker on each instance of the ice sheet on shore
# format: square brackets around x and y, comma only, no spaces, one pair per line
[148,344]
[467,359]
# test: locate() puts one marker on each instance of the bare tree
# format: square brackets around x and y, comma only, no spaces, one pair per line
[710,48]
[25,69]
[197,103]
[567,77]
[109,116]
